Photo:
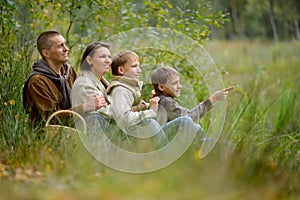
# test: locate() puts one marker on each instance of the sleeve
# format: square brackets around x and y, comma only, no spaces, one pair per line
[41,93]
[174,110]
[121,105]
[82,89]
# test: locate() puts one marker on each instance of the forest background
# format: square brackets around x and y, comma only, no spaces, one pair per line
[255,44]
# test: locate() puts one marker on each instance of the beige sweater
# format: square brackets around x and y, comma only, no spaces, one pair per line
[84,86]
[123,93]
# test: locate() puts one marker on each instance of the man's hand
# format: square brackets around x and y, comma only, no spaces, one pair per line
[94,102]
[220,94]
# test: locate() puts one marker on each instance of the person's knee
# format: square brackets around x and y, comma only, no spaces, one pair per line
[186,119]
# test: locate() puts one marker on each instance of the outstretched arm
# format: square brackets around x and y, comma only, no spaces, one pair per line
[220,94]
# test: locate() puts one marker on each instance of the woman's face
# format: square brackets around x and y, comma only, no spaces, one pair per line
[100,61]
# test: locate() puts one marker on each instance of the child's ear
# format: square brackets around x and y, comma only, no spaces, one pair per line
[120,70]
[161,87]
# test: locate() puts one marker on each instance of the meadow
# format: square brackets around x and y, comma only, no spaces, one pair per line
[263,124]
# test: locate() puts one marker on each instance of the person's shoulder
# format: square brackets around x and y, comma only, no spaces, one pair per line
[162,96]
[116,85]
[38,78]
[120,88]
[83,78]
[39,82]
[73,73]
[119,91]
[165,99]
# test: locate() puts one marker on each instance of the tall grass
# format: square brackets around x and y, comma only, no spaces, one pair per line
[264,112]
[262,123]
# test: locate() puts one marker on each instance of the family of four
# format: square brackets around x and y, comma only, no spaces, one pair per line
[53,85]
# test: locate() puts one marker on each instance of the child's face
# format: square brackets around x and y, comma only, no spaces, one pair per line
[171,87]
[131,69]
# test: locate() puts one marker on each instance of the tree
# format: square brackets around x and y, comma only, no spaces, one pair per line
[278,19]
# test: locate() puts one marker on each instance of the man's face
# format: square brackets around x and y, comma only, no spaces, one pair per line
[172,86]
[58,52]
[131,69]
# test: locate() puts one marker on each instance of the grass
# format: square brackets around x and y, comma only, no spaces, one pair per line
[262,122]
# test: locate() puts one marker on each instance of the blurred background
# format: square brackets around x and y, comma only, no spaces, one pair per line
[254,44]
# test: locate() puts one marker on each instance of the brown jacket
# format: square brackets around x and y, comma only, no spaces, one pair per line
[46,92]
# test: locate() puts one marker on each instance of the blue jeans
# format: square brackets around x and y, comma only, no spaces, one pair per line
[148,129]
[161,135]
[183,125]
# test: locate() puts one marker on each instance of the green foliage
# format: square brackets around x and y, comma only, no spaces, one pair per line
[262,122]
[81,22]
[263,119]
[261,19]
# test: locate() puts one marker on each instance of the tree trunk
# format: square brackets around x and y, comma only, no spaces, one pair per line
[272,21]
[235,19]
[297,29]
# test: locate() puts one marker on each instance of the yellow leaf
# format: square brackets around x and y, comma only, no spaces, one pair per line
[48,167]
[12,102]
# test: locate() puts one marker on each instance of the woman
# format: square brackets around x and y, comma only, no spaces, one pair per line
[95,62]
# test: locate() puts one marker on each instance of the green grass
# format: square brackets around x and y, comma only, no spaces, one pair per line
[262,122]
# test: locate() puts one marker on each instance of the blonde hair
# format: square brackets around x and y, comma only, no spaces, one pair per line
[160,76]
[120,60]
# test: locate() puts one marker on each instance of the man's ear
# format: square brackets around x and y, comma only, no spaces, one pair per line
[161,87]
[45,53]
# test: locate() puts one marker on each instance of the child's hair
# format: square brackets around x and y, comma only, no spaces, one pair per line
[160,76]
[120,60]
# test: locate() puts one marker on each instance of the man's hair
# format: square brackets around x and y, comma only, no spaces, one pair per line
[120,60]
[44,42]
[90,51]
[160,76]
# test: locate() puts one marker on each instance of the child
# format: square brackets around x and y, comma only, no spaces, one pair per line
[124,92]
[166,83]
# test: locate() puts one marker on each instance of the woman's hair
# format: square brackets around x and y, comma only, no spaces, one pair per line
[120,59]
[44,42]
[160,76]
[90,51]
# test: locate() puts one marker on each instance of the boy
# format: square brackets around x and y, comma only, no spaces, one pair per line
[166,83]
[124,93]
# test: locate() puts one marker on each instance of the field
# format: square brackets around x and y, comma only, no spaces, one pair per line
[263,123]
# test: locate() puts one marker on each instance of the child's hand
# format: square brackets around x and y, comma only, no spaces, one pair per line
[154,103]
[141,106]
[152,93]
[220,94]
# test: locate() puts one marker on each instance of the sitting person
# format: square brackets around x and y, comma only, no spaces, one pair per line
[166,84]
[95,62]
[48,86]
[125,91]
